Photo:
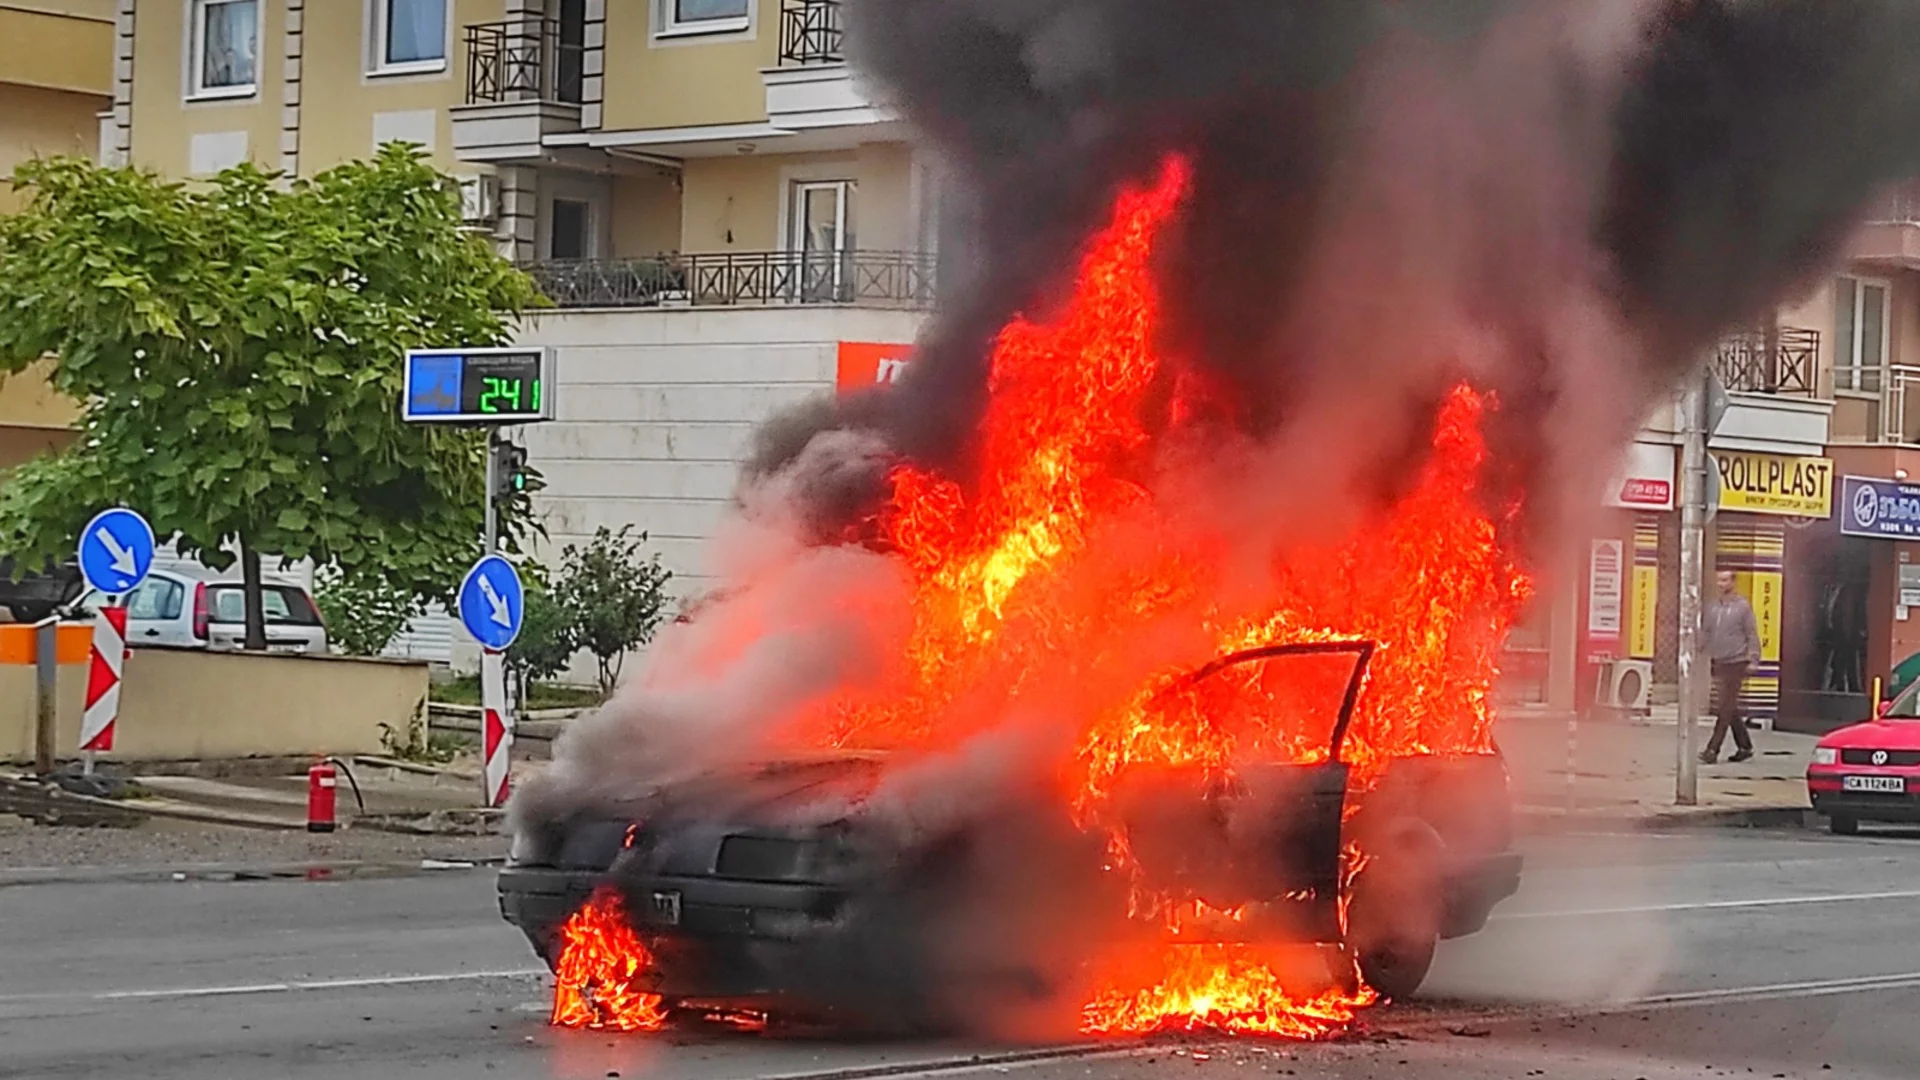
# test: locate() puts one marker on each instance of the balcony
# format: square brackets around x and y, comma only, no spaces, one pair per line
[524,83]
[1891,235]
[885,279]
[1781,361]
[522,60]
[810,32]
[811,88]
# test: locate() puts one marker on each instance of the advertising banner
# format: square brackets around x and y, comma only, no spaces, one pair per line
[866,363]
[1879,509]
[1775,484]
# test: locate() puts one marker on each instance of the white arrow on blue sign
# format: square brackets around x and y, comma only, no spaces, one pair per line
[116,551]
[491,602]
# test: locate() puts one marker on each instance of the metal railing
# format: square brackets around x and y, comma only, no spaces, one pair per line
[1783,361]
[1902,388]
[810,32]
[899,279]
[523,60]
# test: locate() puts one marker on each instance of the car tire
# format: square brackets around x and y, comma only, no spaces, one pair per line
[1843,825]
[1396,908]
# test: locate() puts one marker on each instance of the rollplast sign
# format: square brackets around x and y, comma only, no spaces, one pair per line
[1772,484]
[1883,509]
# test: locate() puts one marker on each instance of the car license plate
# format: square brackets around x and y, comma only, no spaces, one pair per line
[1895,784]
[666,908]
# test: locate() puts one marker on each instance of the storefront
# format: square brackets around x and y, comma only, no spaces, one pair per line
[1619,604]
[1771,510]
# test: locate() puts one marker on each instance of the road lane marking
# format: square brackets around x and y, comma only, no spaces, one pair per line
[289,987]
[1813,988]
[1018,1059]
[1709,905]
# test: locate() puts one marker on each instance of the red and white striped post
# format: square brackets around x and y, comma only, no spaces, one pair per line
[104,671]
[496,726]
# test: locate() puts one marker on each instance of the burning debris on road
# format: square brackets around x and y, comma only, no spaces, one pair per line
[1291,323]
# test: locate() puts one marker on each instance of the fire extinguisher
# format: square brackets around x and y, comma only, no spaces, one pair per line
[321,779]
[322,782]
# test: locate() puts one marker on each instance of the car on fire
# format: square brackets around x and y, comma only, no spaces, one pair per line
[761,889]
[1870,771]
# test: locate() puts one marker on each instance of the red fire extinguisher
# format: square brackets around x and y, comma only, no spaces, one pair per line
[320,786]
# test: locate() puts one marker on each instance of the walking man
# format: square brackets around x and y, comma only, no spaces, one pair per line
[1733,646]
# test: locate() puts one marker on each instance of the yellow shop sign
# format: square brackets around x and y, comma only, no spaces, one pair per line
[1773,484]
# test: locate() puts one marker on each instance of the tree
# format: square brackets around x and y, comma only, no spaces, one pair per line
[549,632]
[618,597]
[237,347]
[363,612]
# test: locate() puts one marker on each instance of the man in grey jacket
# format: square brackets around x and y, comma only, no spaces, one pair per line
[1733,646]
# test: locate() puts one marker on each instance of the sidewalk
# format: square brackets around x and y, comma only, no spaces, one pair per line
[1623,771]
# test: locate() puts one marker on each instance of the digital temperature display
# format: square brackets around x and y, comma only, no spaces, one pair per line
[478,386]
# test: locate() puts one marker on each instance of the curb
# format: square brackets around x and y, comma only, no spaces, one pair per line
[1541,819]
[232,872]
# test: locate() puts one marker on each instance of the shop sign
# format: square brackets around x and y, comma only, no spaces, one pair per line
[1885,509]
[1604,590]
[1646,481]
[863,364]
[1776,484]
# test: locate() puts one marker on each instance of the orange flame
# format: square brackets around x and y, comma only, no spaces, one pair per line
[1036,585]
[601,962]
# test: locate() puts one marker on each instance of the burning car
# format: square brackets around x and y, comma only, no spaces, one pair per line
[771,888]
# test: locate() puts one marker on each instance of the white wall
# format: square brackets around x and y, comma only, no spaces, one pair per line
[655,410]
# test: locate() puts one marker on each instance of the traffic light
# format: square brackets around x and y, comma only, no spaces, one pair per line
[509,470]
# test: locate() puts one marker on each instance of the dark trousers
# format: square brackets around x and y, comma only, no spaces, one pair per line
[1727,679]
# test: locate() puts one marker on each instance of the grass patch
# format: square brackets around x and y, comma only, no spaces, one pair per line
[465,690]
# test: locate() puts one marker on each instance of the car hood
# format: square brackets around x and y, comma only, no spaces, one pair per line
[797,792]
[1890,734]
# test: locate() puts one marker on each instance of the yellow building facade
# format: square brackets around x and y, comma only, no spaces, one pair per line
[595,138]
[56,80]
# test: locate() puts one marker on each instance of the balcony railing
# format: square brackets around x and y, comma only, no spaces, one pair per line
[898,279]
[810,32]
[1784,361]
[523,60]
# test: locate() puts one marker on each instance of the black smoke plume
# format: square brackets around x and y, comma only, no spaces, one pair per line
[1537,171]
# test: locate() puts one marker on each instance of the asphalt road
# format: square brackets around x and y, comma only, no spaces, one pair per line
[1672,956]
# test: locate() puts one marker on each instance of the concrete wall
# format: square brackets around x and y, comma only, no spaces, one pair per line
[185,704]
[656,409]
[736,204]
[699,80]
[57,45]
[38,122]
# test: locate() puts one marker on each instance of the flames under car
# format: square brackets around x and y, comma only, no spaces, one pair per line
[767,887]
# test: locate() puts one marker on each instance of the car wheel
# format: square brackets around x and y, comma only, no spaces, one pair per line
[1396,907]
[1842,825]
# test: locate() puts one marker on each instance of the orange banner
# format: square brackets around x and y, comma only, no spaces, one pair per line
[865,363]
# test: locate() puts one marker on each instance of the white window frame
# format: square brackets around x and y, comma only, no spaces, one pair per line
[196,52]
[377,65]
[667,24]
[796,211]
[1849,374]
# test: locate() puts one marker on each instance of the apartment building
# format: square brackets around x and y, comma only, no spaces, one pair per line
[719,213]
[56,77]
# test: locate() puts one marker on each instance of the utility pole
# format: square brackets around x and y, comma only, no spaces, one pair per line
[1694,492]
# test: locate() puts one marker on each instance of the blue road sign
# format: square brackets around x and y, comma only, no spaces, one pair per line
[491,602]
[1883,509]
[116,551]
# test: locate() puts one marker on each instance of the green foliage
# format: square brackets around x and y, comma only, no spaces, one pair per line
[363,612]
[549,632]
[237,346]
[617,596]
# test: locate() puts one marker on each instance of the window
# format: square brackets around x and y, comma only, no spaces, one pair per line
[409,35]
[280,605]
[704,16]
[226,48]
[569,230]
[158,598]
[820,214]
[1860,317]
